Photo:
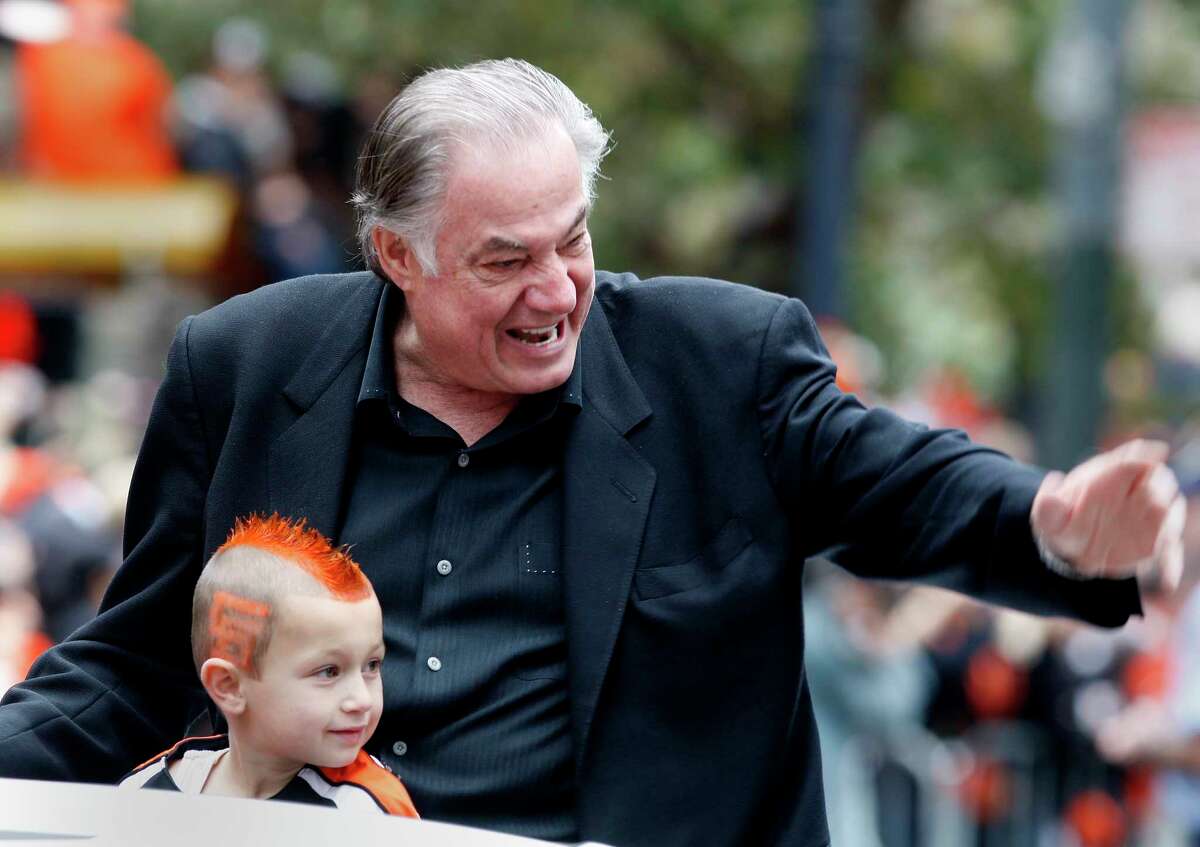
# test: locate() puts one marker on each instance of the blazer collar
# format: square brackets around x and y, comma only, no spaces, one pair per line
[607,489]
[347,332]
[608,385]
[306,464]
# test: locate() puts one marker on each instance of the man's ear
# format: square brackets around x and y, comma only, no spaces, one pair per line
[399,263]
[223,682]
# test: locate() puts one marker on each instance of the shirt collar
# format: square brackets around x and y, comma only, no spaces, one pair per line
[379,376]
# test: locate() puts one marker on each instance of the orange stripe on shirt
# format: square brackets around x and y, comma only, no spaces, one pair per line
[171,750]
[387,789]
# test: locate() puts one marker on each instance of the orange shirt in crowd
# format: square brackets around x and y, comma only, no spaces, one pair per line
[93,109]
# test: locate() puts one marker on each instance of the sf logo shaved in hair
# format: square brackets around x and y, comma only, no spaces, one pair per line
[235,625]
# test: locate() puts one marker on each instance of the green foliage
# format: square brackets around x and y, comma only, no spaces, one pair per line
[699,97]
[954,249]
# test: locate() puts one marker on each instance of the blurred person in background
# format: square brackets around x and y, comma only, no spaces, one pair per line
[92,105]
[231,121]
[1160,726]
[609,484]
[21,637]
[68,523]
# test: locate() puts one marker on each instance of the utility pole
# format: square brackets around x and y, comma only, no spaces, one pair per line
[1081,92]
[828,189]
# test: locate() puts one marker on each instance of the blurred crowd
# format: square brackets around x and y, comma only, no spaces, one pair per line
[945,721]
[85,108]
[92,106]
[942,721]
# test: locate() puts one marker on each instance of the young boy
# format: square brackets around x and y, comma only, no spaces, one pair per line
[287,635]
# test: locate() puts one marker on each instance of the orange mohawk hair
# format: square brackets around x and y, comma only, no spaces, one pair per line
[308,549]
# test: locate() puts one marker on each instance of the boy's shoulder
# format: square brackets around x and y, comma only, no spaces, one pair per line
[183,767]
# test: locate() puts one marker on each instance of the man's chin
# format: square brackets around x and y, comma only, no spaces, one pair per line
[534,380]
[530,386]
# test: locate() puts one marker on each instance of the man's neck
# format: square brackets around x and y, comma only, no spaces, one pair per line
[472,414]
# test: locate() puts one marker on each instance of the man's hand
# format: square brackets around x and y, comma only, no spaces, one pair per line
[1116,515]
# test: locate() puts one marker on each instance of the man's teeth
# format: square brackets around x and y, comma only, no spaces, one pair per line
[538,336]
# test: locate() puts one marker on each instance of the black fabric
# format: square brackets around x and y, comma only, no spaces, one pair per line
[162,781]
[487,736]
[704,403]
[299,791]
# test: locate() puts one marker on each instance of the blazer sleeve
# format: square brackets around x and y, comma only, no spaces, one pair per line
[888,498]
[123,686]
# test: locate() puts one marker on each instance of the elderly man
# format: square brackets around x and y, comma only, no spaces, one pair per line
[585,501]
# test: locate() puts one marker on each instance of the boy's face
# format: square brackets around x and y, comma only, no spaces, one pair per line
[319,694]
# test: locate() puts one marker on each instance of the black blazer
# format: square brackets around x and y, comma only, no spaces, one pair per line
[712,455]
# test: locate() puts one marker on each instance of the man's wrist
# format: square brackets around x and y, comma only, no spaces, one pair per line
[1056,563]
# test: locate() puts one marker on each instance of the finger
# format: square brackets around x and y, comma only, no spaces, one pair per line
[1127,467]
[1169,548]
[1150,521]
[1144,450]
[1161,486]
[1171,568]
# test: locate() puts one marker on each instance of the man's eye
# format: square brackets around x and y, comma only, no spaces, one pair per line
[504,264]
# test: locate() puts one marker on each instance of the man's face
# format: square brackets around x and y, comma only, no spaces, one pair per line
[515,274]
[319,694]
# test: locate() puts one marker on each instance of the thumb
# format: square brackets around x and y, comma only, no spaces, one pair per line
[1051,511]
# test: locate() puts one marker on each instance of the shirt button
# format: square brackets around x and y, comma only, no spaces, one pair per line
[463,460]
[399,748]
[444,567]
[434,663]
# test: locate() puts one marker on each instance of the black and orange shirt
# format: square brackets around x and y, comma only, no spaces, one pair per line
[364,785]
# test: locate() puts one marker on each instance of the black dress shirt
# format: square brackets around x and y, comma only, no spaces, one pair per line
[463,548]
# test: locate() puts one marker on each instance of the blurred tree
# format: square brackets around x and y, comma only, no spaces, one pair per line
[951,260]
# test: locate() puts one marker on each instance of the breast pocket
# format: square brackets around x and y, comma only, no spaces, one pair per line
[540,642]
[664,580]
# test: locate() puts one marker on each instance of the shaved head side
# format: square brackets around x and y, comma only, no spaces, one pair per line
[263,562]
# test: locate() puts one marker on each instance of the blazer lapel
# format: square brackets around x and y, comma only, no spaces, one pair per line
[606,498]
[307,463]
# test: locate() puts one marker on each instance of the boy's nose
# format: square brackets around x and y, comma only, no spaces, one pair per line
[357,695]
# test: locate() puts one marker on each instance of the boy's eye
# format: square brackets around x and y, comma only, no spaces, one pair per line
[374,665]
[327,672]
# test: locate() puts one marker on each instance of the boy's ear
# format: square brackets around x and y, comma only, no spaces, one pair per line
[223,682]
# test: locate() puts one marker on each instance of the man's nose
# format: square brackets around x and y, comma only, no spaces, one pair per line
[554,291]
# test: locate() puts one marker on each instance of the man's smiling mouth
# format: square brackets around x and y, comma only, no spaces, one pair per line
[536,336]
